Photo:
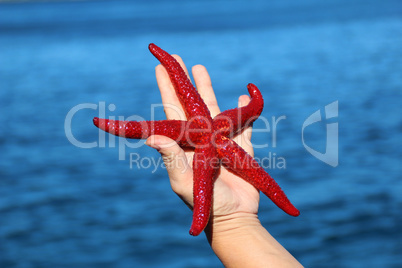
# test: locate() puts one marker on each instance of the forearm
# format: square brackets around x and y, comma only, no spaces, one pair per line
[241,241]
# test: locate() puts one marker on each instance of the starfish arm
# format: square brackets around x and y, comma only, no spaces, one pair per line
[231,122]
[240,162]
[186,92]
[205,167]
[210,139]
[174,129]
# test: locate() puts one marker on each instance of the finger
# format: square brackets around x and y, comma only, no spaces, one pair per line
[204,87]
[172,106]
[178,168]
[181,62]
[243,101]
[244,139]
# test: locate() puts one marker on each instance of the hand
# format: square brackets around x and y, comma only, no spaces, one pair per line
[231,193]
[234,231]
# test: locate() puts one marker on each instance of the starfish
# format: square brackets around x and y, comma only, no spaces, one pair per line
[211,139]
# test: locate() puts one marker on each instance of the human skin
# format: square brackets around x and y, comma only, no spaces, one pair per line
[234,231]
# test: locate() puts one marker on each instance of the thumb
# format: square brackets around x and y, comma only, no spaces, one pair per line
[179,171]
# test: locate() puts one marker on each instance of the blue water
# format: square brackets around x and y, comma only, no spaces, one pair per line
[65,206]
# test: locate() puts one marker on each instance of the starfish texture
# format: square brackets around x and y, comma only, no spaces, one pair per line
[210,138]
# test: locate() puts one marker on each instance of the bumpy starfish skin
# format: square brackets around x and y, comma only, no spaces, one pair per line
[210,138]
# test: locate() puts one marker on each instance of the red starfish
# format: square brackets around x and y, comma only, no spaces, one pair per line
[210,138]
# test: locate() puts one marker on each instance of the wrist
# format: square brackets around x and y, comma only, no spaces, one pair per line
[231,227]
[239,240]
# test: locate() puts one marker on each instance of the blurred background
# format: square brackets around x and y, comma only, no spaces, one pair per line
[62,205]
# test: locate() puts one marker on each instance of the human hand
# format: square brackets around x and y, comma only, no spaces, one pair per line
[234,231]
[233,197]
